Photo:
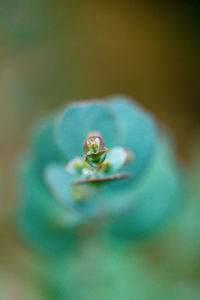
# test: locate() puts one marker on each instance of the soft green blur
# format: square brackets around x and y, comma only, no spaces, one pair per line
[53,52]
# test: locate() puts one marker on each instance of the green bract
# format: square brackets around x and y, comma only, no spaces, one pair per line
[95,152]
[70,180]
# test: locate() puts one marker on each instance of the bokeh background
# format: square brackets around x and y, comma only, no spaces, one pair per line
[53,52]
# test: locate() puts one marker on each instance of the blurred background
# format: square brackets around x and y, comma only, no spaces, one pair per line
[53,52]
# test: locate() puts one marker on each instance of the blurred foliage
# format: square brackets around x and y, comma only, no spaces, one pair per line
[49,210]
[183,246]
[53,52]
[59,227]
[117,272]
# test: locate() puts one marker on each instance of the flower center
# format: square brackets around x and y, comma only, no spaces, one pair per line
[93,145]
[98,165]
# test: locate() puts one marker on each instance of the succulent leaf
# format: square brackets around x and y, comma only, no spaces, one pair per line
[153,194]
[94,160]
[59,182]
[79,119]
[43,147]
[117,157]
[41,217]
[137,131]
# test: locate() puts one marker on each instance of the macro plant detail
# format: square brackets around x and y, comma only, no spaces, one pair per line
[95,172]
[95,167]
[99,198]
[70,179]
[95,152]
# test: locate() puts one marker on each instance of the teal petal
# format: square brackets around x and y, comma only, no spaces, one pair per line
[137,131]
[44,149]
[41,219]
[155,196]
[78,120]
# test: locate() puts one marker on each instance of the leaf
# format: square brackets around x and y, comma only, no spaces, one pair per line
[95,159]
[42,221]
[155,196]
[182,245]
[137,131]
[103,272]
[78,120]
[59,182]
[44,148]
[117,157]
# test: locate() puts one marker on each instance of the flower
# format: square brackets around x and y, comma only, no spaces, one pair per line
[95,152]
[70,180]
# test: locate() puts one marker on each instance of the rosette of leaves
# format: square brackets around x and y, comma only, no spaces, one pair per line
[71,183]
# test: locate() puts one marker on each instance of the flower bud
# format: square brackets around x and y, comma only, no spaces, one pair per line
[95,152]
